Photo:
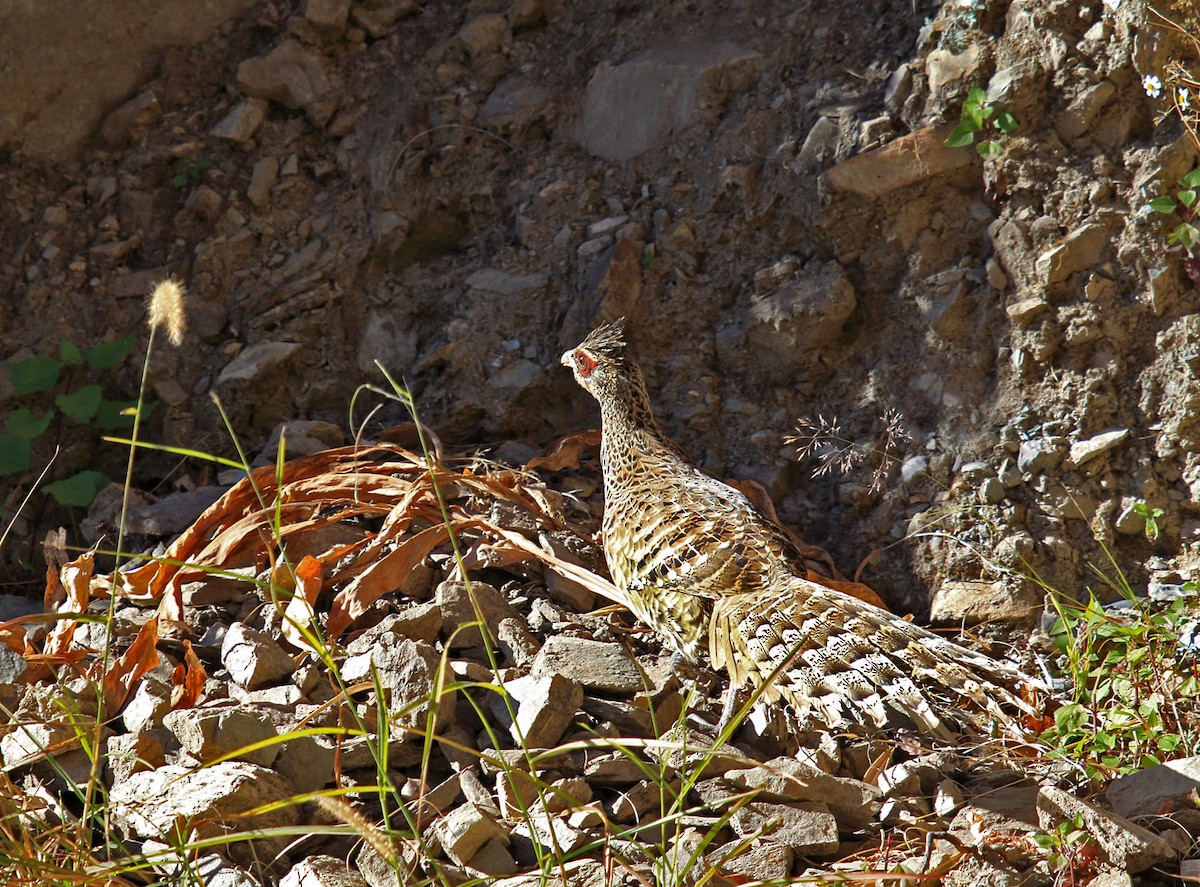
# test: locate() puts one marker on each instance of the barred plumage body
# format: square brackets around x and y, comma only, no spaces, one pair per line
[702,566]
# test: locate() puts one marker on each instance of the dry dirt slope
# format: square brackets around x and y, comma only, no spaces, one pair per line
[440,186]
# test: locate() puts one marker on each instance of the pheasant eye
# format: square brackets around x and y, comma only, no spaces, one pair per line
[584,362]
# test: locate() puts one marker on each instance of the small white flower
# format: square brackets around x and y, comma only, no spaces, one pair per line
[1152,85]
[1183,97]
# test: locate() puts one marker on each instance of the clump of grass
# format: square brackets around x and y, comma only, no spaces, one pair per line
[825,440]
[1134,682]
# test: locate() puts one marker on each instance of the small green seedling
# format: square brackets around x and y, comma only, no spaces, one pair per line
[1185,235]
[978,117]
[1151,516]
[188,172]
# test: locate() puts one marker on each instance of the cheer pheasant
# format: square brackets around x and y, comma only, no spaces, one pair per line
[703,567]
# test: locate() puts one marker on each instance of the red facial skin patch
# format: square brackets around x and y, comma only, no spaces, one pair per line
[585,363]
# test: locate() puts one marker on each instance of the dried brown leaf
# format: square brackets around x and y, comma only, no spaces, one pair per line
[299,613]
[188,679]
[382,577]
[124,674]
[75,580]
[565,452]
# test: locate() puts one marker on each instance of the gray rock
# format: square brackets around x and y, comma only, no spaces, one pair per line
[1085,451]
[172,514]
[904,161]
[253,658]
[493,859]
[1078,117]
[1169,786]
[464,830]
[214,870]
[201,209]
[550,831]
[1026,311]
[1039,454]
[213,799]
[516,101]
[306,762]
[209,733]
[458,611]
[262,179]
[761,861]
[635,803]
[327,17]
[546,704]
[12,665]
[149,703]
[517,376]
[820,145]
[789,329]
[1125,845]
[492,280]
[992,491]
[128,753]
[378,18]
[41,722]
[974,601]
[484,34]
[612,769]
[806,827]
[241,122]
[854,804]
[516,641]
[636,106]
[596,665]
[300,437]
[1080,250]
[408,670]
[1130,522]
[944,68]
[322,871]
[292,75]
[256,360]
[140,110]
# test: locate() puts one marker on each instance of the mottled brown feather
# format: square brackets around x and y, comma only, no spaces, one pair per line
[710,572]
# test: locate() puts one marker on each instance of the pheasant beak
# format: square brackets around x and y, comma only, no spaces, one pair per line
[566,359]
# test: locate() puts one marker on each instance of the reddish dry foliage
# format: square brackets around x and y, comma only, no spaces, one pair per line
[187,681]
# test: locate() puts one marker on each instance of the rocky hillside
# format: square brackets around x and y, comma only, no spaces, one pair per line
[458,190]
[970,375]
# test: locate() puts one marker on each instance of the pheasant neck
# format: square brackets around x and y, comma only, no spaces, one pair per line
[627,426]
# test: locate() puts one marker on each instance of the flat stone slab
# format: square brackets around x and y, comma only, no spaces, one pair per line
[636,106]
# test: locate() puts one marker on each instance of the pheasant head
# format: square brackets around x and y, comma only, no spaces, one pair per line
[604,367]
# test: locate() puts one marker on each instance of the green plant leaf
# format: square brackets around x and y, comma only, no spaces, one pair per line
[977,96]
[80,405]
[119,413]
[38,373]
[109,354]
[78,490]
[989,150]
[963,135]
[1192,179]
[1006,122]
[69,352]
[1070,718]
[15,454]
[27,424]
[1187,198]
[1186,235]
[1164,204]
[180,180]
